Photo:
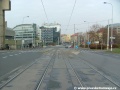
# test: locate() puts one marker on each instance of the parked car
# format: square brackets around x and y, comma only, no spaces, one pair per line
[66,46]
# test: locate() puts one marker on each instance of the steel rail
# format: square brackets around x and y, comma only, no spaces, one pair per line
[15,76]
[91,66]
[3,85]
[75,73]
[45,71]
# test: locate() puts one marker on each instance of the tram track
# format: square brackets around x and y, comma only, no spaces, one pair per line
[75,73]
[50,69]
[99,72]
[15,76]
[109,79]
[23,70]
[51,63]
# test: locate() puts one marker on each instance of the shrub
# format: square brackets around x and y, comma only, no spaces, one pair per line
[83,46]
[92,46]
[97,46]
[115,46]
[118,45]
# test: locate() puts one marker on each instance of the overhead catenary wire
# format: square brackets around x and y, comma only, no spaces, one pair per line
[71,14]
[45,11]
[85,23]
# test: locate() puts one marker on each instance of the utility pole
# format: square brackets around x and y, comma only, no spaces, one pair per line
[108,36]
[74,35]
[84,40]
[88,36]
[112,25]
[88,40]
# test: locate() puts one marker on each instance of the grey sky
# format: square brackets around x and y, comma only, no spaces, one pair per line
[60,10]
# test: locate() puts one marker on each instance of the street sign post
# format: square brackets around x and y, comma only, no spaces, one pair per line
[112,37]
[88,43]
[96,42]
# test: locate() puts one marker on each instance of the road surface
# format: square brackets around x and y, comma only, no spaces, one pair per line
[59,68]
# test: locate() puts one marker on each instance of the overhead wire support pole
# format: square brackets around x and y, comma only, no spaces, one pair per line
[111,26]
[88,36]
[108,37]
[112,29]
[74,35]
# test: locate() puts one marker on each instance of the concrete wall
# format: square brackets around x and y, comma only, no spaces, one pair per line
[14,44]
[4,5]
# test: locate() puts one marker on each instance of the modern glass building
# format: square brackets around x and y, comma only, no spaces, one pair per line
[26,33]
[49,35]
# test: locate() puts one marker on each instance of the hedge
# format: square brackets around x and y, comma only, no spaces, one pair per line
[97,46]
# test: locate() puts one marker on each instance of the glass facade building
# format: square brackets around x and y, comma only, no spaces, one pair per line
[26,33]
[49,35]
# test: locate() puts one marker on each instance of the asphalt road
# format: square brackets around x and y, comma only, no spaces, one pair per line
[59,68]
[10,60]
[108,63]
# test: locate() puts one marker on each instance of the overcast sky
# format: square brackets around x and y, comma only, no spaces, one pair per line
[60,10]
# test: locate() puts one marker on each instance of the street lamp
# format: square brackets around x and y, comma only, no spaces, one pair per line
[88,33]
[74,36]
[24,18]
[111,26]
[22,30]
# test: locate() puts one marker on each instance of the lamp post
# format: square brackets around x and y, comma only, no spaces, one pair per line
[111,26]
[88,33]
[22,29]
[74,36]
[108,36]
[24,18]
[15,43]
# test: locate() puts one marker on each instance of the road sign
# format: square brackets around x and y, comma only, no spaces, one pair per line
[88,43]
[112,37]
[76,46]
[96,42]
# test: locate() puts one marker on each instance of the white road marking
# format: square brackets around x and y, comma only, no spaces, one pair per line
[10,55]
[76,53]
[15,54]
[4,57]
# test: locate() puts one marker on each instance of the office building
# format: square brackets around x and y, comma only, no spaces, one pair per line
[26,33]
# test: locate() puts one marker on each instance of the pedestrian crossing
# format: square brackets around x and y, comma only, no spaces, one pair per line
[30,51]
[14,53]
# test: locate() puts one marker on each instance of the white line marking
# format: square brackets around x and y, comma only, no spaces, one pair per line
[10,55]
[4,57]
[76,53]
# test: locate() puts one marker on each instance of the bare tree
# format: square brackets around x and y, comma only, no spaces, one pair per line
[93,32]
